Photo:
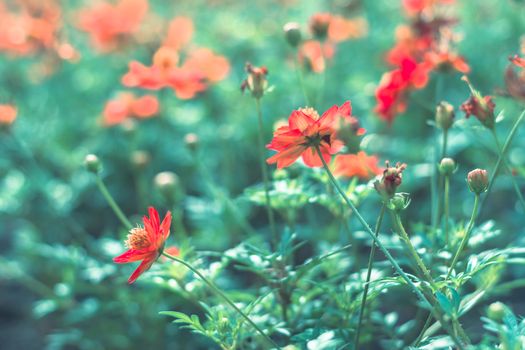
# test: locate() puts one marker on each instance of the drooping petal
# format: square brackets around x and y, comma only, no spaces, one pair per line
[132,255]
[312,160]
[286,157]
[144,266]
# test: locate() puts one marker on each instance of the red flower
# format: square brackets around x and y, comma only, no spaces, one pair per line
[127,105]
[360,165]
[315,54]
[108,24]
[180,32]
[7,114]
[146,243]
[306,131]
[342,29]
[479,106]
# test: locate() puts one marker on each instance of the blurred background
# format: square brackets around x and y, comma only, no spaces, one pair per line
[62,62]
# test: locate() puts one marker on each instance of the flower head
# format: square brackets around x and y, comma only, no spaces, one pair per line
[306,131]
[391,180]
[256,81]
[126,105]
[478,181]
[146,243]
[361,165]
[479,106]
[7,114]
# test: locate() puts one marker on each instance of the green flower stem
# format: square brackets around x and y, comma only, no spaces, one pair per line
[507,167]
[368,277]
[300,77]
[413,253]
[114,206]
[446,208]
[445,144]
[221,294]
[502,154]
[466,237]
[264,170]
[395,265]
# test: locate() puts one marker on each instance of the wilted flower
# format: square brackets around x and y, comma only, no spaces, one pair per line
[391,180]
[306,131]
[478,181]
[479,106]
[256,81]
[146,243]
[361,165]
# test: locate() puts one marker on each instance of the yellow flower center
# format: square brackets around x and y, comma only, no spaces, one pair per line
[138,239]
[309,111]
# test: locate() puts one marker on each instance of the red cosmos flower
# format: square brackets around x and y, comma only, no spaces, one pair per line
[315,54]
[146,243]
[213,67]
[126,105]
[7,114]
[482,107]
[108,24]
[360,165]
[305,131]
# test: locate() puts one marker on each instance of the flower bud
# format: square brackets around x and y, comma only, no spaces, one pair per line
[192,141]
[444,115]
[496,311]
[140,159]
[292,33]
[167,183]
[391,180]
[399,202]
[256,81]
[447,166]
[478,181]
[92,163]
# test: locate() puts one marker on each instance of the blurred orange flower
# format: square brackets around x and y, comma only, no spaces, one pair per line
[314,54]
[180,33]
[126,105]
[360,165]
[7,114]
[109,24]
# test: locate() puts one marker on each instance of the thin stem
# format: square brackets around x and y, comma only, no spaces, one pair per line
[389,256]
[445,143]
[368,277]
[502,154]
[446,207]
[223,296]
[427,324]
[434,197]
[404,236]
[507,167]
[264,170]
[466,236]
[299,71]
[114,206]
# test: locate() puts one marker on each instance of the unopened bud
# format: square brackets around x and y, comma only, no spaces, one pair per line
[167,183]
[496,311]
[444,115]
[292,33]
[399,202]
[478,181]
[92,163]
[140,159]
[447,166]
[192,141]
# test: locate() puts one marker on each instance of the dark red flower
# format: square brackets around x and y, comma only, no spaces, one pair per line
[146,243]
[391,180]
[305,131]
[479,106]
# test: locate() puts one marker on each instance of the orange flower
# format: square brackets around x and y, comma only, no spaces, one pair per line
[213,67]
[306,131]
[315,54]
[126,106]
[146,243]
[108,24]
[7,114]
[518,61]
[360,165]
[180,32]
[446,60]
[342,29]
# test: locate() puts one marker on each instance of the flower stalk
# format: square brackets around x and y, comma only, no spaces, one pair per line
[112,203]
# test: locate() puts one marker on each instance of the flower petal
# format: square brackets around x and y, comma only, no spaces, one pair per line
[287,157]
[165,226]
[144,266]
[132,255]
